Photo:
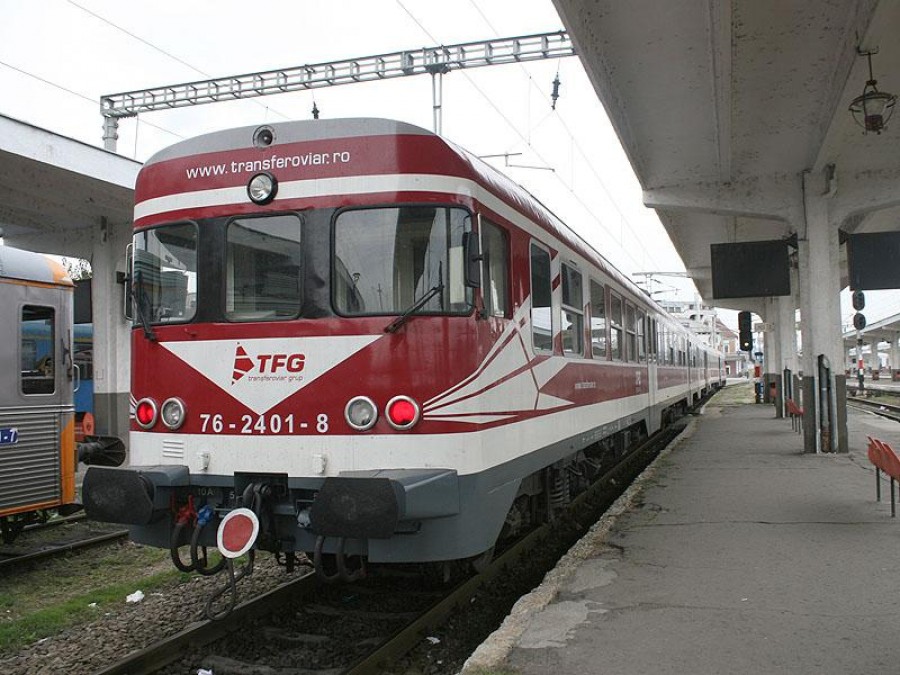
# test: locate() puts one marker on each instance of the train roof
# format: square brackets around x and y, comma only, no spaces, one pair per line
[303,131]
[29,266]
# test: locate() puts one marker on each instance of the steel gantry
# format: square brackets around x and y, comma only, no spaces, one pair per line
[435,61]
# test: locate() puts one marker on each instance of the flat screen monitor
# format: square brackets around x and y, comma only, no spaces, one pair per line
[750,269]
[873,260]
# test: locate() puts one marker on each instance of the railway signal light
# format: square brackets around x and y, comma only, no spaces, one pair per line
[859,300]
[746,332]
[859,321]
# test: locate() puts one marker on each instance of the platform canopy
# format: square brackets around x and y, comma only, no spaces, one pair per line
[722,105]
[54,191]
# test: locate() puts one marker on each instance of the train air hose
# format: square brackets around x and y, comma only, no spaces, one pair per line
[199,560]
[256,499]
[233,578]
[183,518]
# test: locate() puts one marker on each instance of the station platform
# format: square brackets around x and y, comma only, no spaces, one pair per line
[733,553]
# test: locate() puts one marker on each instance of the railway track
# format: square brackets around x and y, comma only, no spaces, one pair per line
[364,627]
[879,408]
[28,548]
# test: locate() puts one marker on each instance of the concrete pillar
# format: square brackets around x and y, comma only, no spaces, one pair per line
[786,338]
[820,274]
[895,358]
[772,369]
[874,364]
[112,333]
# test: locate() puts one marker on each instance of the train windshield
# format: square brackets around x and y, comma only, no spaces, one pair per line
[388,259]
[165,274]
[263,268]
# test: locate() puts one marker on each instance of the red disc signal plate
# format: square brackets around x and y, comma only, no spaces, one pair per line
[237,533]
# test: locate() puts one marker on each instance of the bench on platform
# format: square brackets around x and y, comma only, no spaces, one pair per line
[795,412]
[884,459]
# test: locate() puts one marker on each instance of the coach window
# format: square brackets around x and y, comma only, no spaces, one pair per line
[37,343]
[496,269]
[616,333]
[631,335]
[572,312]
[263,269]
[642,345]
[541,317]
[387,260]
[598,320]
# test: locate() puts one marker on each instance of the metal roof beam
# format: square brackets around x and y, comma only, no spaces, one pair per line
[427,60]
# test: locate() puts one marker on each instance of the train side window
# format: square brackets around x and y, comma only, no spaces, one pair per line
[541,314]
[598,320]
[616,333]
[496,270]
[631,335]
[642,346]
[660,343]
[572,312]
[37,350]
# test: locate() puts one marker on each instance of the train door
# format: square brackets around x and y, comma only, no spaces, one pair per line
[650,336]
[37,466]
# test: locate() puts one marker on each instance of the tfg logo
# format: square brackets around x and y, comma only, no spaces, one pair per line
[265,364]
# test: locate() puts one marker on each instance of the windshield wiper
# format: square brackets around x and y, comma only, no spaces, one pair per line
[139,298]
[419,304]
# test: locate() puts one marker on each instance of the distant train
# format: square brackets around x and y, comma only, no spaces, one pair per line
[356,340]
[40,353]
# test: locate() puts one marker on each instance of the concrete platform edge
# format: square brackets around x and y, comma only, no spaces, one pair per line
[493,652]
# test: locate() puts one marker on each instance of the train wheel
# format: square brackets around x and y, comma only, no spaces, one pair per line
[10,528]
[480,562]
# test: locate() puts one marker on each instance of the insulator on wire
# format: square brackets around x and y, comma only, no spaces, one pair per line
[555,94]
[315,111]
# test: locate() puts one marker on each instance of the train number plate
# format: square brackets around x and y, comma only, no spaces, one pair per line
[9,436]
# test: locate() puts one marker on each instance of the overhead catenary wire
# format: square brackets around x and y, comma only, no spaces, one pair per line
[538,154]
[91,99]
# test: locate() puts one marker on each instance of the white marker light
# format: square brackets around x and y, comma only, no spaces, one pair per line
[262,188]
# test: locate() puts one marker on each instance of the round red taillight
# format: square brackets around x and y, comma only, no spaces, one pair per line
[402,412]
[145,413]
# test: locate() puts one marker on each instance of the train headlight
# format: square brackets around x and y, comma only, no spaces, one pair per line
[402,412]
[145,413]
[361,413]
[262,188]
[172,413]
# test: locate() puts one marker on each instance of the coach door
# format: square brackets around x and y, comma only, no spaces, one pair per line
[652,349]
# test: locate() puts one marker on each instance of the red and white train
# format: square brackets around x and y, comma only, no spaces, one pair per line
[377,343]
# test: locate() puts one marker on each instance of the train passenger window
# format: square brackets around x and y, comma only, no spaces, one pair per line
[165,274]
[642,345]
[263,262]
[37,343]
[541,319]
[631,334]
[572,312]
[598,320]
[496,270]
[388,259]
[616,333]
